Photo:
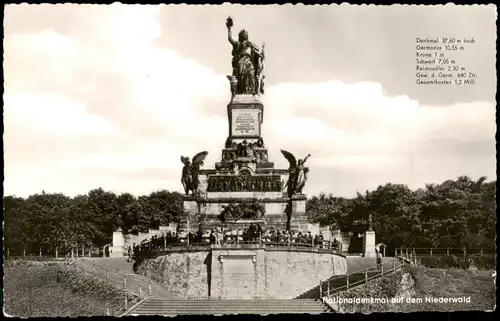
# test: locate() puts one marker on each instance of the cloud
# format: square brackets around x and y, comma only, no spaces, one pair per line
[104,103]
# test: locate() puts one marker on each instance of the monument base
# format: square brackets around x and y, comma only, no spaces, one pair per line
[369,244]
[117,251]
[298,223]
[244,180]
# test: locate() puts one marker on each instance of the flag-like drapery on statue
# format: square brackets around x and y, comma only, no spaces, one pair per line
[248,64]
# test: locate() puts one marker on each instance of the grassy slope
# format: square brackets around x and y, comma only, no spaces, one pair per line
[449,283]
[453,283]
[34,291]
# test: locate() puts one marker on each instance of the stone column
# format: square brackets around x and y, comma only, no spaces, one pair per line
[118,249]
[369,240]
[369,244]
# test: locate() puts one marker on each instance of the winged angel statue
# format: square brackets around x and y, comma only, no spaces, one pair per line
[297,173]
[190,172]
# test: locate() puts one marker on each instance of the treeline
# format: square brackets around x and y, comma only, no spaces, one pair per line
[46,221]
[452,214]
[457,213]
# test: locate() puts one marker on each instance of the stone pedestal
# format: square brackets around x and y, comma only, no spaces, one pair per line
[189,220]
[299,220]
[369,244]
[118,249]
[243,174]
[245,116]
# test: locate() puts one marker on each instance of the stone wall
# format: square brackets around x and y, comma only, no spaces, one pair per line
[186,274]
[242,272]
[289,274]
[237,273]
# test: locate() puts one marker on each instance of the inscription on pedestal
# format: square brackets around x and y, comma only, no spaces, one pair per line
[244,184]
[245,122]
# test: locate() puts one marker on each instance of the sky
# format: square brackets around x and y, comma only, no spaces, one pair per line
[112,96]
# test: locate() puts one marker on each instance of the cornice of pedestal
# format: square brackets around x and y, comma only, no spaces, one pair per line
[245,100]
[271,171]
[189,197]
[210,171]
[242,199]
[264,168]
[299,197]
[243,137]
[284,199]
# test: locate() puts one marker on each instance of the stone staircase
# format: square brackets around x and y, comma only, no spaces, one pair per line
[159,306]
[356,270]
[130,239]
[337,281]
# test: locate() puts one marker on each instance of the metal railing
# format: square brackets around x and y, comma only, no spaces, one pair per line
[50,255]
[127,309]
[416,251]
[359,277]
[136,287]
[146,250]
[125,281]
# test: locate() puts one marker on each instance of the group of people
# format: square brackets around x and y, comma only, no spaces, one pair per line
[253,234]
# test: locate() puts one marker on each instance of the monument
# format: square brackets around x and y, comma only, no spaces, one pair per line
[369,240]
[118,248]
[244,188]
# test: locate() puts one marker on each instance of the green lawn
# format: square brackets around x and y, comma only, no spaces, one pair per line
[453,283]
[34,291]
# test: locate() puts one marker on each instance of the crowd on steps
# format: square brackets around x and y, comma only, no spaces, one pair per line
[254,234]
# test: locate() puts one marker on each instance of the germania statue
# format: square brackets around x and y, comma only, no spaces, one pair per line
[248,64]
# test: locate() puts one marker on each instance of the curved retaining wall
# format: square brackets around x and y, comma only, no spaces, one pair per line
[242,273]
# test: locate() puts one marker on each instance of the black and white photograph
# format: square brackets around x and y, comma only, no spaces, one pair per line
[246,159]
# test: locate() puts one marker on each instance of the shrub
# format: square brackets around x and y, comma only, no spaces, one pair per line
[482,262]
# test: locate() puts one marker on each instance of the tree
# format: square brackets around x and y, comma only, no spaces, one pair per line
[455,213]
[326,210]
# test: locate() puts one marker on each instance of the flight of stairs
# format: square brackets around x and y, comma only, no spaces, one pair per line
[130,239]
[338,281]
[159,306]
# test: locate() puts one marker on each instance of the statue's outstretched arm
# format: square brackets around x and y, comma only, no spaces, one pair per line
[305,159]
[230,36]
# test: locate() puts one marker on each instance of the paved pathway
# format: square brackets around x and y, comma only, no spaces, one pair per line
[118,270]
